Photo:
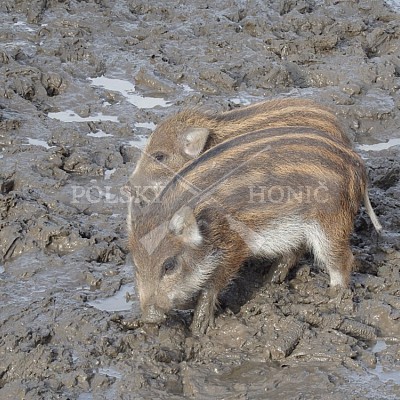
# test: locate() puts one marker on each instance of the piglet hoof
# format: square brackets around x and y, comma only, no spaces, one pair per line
[201,322]
[204,312]
[203,317]
[278,273]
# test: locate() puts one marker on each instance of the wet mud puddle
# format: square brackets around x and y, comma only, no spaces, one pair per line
[127,90]
[380,380]
[38,142]
[120,301]
[380,371]
[379,146]
[395,4]
[71,116]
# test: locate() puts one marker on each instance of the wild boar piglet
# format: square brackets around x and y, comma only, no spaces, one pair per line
[223,208]
[184,136]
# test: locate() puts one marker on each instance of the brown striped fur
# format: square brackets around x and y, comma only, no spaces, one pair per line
[169,139]
[193,240]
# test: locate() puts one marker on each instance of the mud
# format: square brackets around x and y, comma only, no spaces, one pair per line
[82,86]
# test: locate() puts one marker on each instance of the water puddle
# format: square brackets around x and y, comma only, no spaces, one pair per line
[386,376]
[394,4]
[108,393]
[37,142]
[2,269]
[374,380]
[117,302]
[187,88]
[70,116]
[108,173]
[379,346]
[240,101]
[139,142]
[110,372]
[99,134]
[24,26]
[127,90]
[75,358]
[379,146]
[85,396]
[147,125]
[19,43]
[383,374]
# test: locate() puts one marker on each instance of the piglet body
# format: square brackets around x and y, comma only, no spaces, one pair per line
[223,208]
[186,135]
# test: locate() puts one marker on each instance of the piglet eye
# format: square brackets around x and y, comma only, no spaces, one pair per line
[169,265]
[160,157]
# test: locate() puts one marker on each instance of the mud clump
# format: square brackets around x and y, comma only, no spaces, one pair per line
[69,144]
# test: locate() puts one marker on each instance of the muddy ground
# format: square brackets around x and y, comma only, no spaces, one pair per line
[68,144]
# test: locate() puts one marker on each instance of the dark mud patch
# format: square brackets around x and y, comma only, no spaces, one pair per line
[83,85]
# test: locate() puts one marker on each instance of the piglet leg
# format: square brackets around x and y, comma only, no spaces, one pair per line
[229,262]
[204,312]
[280,269]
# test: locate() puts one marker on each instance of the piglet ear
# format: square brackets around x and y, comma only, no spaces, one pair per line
[194,141]
[184,225]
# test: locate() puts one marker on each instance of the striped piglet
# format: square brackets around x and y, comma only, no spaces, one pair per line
[223,208]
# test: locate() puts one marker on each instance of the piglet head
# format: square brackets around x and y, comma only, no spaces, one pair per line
[172,256]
